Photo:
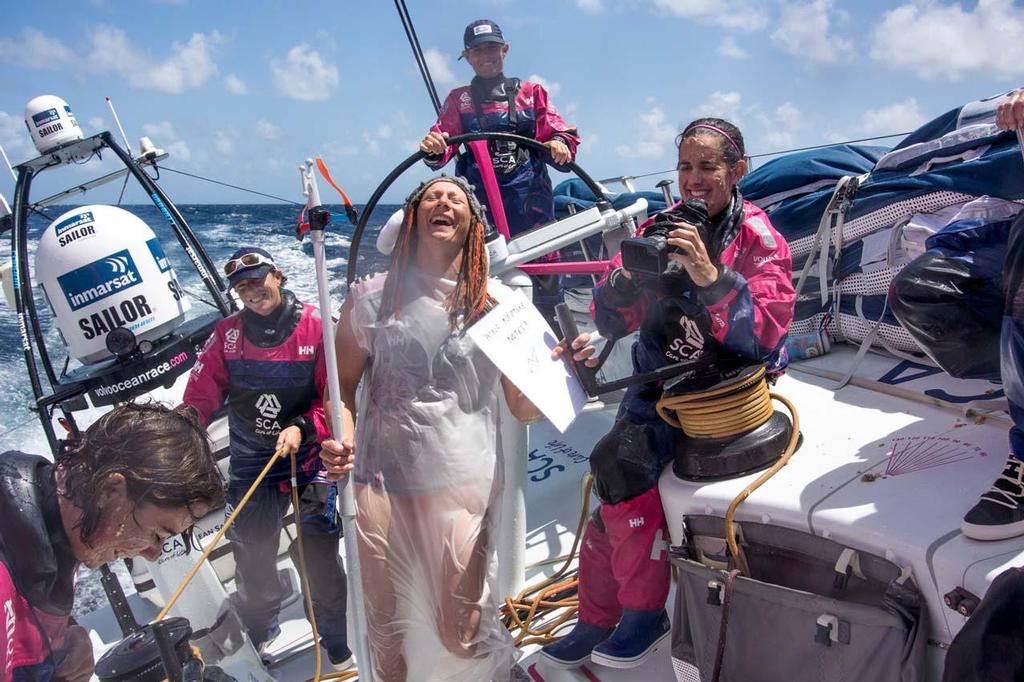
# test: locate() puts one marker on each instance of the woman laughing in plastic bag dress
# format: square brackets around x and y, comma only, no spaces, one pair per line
[427,465]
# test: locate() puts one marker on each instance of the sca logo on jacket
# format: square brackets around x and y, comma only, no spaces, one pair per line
[269,406]
[99,279]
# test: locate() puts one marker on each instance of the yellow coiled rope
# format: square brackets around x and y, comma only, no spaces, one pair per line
[726,411]
[720,412]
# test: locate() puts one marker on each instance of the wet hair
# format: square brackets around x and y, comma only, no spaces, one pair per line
[469,299]
[729,136]
[163,454]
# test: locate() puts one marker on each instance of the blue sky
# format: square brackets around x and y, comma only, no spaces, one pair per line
[244,91]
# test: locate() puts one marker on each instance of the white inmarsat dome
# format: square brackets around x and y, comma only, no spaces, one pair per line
[51,123]
[101,268]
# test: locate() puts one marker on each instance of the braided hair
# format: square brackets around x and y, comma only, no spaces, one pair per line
[469,299]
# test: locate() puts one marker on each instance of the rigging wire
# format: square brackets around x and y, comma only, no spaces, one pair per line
[765,154]
[227,184]
[199,298]
[124,186]
[18,425]
[417,52]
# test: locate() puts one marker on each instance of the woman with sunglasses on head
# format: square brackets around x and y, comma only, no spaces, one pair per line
[266,365]
[423,431]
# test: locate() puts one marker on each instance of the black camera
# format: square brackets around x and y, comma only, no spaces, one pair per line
[648,255]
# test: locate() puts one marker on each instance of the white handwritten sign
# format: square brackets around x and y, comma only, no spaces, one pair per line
[518,340]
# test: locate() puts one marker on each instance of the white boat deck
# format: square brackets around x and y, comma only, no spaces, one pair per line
[882,468]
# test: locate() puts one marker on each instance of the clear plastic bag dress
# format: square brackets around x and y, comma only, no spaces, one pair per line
[427,479]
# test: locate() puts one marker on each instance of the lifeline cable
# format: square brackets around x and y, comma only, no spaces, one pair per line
[765,154]
[227,184]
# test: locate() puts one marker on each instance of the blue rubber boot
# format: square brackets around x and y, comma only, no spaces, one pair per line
[574,649]
[638,635]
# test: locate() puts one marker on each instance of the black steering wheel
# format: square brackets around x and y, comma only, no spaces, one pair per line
[458,139]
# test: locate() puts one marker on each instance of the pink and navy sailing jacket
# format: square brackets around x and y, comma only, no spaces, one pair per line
[510,106]
[741,319]
[266,388]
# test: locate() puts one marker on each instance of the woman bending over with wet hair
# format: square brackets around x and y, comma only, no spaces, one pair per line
[428,468]
[137,476]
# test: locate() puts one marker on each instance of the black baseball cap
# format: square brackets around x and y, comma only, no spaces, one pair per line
[482,31]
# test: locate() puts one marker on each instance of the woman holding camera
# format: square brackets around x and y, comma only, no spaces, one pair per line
[723,303]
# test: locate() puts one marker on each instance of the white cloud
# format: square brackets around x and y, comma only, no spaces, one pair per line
[267,130]
[781,126]
[96,124]
[384,131]
[344,149]
[35,50]
[14,139]
[439,64]
[730,48]
[591,6]
[806,29]
[788,115]
[235,85]
[370,144]
[936,40]
[164,136]
[721,105]
[189,67]
[895,118]
[224,142]
[110,50]
[742,15]
[552,88]
[654,134]
[304,75]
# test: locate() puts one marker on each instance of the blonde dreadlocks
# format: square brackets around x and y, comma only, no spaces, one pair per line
[468,300]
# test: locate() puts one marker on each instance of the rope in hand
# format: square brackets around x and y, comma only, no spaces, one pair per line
[341,676]
[216,538]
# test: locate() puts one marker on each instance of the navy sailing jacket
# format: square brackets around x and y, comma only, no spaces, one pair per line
[267,388]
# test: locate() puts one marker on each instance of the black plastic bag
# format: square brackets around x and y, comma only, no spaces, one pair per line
[950,298]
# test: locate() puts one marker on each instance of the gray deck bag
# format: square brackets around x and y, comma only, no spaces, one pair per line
[814,611]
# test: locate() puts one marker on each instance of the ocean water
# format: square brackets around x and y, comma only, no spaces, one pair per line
[221,228]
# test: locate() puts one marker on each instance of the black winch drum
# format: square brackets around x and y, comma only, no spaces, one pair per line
[713,459]
[136,658]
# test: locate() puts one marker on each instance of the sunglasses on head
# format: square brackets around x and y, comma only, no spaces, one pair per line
[248,260]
